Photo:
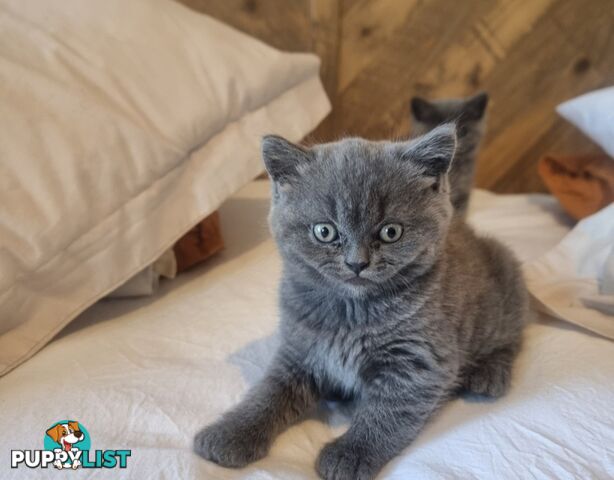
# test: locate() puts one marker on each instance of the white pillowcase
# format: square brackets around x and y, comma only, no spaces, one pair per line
[123,123]
[593,113]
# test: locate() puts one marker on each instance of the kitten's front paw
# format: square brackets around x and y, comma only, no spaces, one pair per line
[341,460]
[230,445]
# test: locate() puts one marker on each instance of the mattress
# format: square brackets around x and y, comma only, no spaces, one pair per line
[146,374]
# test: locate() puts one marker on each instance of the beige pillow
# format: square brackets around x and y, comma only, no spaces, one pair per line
[123,123]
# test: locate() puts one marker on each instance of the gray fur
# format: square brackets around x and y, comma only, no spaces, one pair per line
[469,115]
[439,311]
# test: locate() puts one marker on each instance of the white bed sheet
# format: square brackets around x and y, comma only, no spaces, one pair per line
[146,374]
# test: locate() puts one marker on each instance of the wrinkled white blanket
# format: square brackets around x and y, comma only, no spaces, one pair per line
[146,374]
[575,280]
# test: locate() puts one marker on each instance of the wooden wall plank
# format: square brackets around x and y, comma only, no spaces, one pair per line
[523,123]
[529,55]
[324,16]
[367,28]
[325,24]
[284,25]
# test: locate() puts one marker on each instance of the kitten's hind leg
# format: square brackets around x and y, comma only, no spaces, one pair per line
[491,374]
[245,433]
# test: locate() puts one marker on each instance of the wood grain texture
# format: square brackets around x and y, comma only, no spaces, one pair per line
[283,25]
[530,55]
[324,16]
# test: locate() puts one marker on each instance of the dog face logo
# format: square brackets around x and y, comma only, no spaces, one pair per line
[66,434]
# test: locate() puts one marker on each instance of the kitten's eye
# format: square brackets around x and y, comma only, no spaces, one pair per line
[391,233]
[325,232]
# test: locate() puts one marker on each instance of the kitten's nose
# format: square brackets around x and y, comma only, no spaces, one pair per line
[357,267]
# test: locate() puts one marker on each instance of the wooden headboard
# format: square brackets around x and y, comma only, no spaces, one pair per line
[529,55]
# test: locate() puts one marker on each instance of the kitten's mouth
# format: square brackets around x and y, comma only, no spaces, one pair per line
[358,281]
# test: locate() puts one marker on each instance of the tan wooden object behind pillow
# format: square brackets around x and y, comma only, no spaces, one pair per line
[583,184]
[202,241]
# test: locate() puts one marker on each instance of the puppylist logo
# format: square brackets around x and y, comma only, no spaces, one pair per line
[67,445]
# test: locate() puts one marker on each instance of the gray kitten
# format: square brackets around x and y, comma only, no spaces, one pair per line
[386,298]
[468,113]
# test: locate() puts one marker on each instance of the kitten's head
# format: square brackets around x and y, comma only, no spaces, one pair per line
[468,113]
[359,216]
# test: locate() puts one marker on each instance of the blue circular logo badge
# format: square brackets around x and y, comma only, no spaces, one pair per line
[66,435]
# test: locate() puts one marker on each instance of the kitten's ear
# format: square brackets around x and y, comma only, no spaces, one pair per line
[282,158]
[432,152]
[424,111]
[475,106]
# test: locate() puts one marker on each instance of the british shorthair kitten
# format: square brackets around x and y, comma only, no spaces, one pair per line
[386,298]
[469,116]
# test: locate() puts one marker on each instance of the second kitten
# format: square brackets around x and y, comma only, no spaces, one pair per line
[469,115]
